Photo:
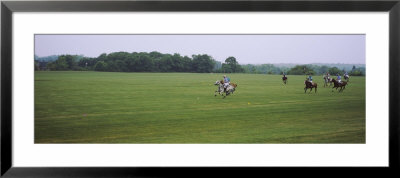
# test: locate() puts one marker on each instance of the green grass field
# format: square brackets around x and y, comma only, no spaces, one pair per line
[108,107]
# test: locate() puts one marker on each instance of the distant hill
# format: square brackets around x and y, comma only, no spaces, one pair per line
[46,58]
[346,67]
[53,58]
[318,68]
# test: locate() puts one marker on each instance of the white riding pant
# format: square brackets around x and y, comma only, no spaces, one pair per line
[226,85]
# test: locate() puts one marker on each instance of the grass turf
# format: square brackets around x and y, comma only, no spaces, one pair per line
[109,107]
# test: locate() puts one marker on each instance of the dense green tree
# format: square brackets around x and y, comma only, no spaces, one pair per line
[231,66]
[145,63]
[301,70]
[335,71]
[262,69]
[87,63]
[111,66]
[102,57]
[323,70]
[65,62]
[226,68]
[187,64]
[357,71]
[249,68]
[203,63]
[165,64]
[100,66]
[59,64]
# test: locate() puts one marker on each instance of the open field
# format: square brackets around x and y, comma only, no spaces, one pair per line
[108,107]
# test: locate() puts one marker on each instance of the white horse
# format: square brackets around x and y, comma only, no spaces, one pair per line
[346,77]
[221,90]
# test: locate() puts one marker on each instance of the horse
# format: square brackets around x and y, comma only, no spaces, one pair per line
[310,85]
[234,85]
[230,89]
[327,80]
[221,90]
[336,85]
[284,79]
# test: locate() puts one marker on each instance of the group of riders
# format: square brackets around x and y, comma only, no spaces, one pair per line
[228,88]
[326,76]
[309,84]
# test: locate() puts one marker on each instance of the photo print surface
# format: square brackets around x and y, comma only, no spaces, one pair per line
[199,88]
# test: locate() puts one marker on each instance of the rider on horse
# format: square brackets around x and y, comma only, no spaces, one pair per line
[346,75]
[339,79]
[227,81]
[327,75]
[309,78]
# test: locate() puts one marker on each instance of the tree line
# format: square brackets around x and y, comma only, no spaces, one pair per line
[321,70]
[160,62]
[141,62]
[302,69]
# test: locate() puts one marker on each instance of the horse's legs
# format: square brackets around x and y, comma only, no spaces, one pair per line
[217,91]
[341,89]
[305,89]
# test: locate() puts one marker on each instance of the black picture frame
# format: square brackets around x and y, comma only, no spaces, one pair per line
[8,7]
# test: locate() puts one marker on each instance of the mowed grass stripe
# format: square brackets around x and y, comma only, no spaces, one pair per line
[106,107]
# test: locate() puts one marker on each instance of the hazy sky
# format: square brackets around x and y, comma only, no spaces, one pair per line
[247,49]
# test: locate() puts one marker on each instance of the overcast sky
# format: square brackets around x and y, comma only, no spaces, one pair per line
[247,49]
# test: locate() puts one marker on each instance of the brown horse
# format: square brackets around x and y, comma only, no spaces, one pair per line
[284,79]
[310,86]
[336,85]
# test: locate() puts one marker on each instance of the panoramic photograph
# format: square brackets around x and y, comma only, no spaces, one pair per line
[199,88]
